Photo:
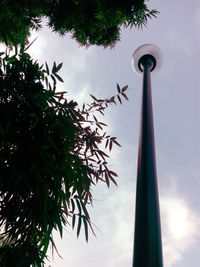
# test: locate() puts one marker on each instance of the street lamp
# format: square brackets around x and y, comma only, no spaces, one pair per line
[147,238]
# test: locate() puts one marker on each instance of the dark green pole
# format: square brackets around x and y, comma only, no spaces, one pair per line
[147,238]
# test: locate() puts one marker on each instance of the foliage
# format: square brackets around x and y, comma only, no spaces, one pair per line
[51,153]
[89,21]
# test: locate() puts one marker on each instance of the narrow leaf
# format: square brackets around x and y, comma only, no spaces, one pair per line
[94,97]
[118,88]
[110,145]
[47,68]
[107,141]
[99,126]
[124,88]
[125,96]
[79,226]
[84,209]
[53,78]
[73,205]
[58,77]
[86,228]
[119,98]
[116,143]
[54,67]
[113,173]
[95,118]
[58,67]
[103,124]
[73,220]
[79,206]
[107,179]
[113,180]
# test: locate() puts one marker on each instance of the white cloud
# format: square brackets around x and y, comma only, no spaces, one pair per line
[180,226]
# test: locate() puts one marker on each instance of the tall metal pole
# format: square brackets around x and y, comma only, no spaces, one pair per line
[147,238]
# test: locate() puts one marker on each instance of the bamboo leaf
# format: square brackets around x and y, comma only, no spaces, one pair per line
[73,220]
[54,67]
[113,173]
[53,78]
[118,88]
[107,141]
[118,144]
[86,228]
[107,179]
[79,225]
[99,126]
[84,209]
[73,205]
[110,145]
[124,88]
[102,123]
[58,67]
[95,118]
[94,97]
[119,98]
[79,206]
[58,77]
[125,96]
[113,180]
[47,68]
[60,228]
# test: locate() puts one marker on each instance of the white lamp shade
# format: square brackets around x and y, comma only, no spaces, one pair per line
[146,49]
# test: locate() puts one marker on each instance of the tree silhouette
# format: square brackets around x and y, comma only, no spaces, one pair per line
[88,21]
[50,156]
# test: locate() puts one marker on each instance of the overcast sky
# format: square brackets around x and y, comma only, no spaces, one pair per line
[176,100]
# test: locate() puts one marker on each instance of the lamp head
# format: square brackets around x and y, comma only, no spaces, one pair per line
[144,53]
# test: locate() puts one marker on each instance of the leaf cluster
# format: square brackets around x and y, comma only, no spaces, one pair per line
[90,22]
[51,153]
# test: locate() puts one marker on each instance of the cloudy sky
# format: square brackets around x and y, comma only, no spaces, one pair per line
[176,100]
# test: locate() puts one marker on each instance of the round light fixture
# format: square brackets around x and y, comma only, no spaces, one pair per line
[142,53]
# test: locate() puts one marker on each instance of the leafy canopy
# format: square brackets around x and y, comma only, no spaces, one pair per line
[90,22]
[51,153]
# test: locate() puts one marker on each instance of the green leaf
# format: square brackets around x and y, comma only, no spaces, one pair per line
[47,68]
[124,88]
[107,141]
[73,220]
[58,67]
[79,206]
[53,78]
[73,205]
[110,145]
[58,77]
[86,228]
[119,98]
[84,209]
[118,88]
[54,68]
[107,179]
[79,225]
[125,96]
[113,173]
[60,228]
[94,97]
[118,144]
[113,180]
[95,118]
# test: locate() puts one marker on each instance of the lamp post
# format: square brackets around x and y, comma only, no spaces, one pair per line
[147,238]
